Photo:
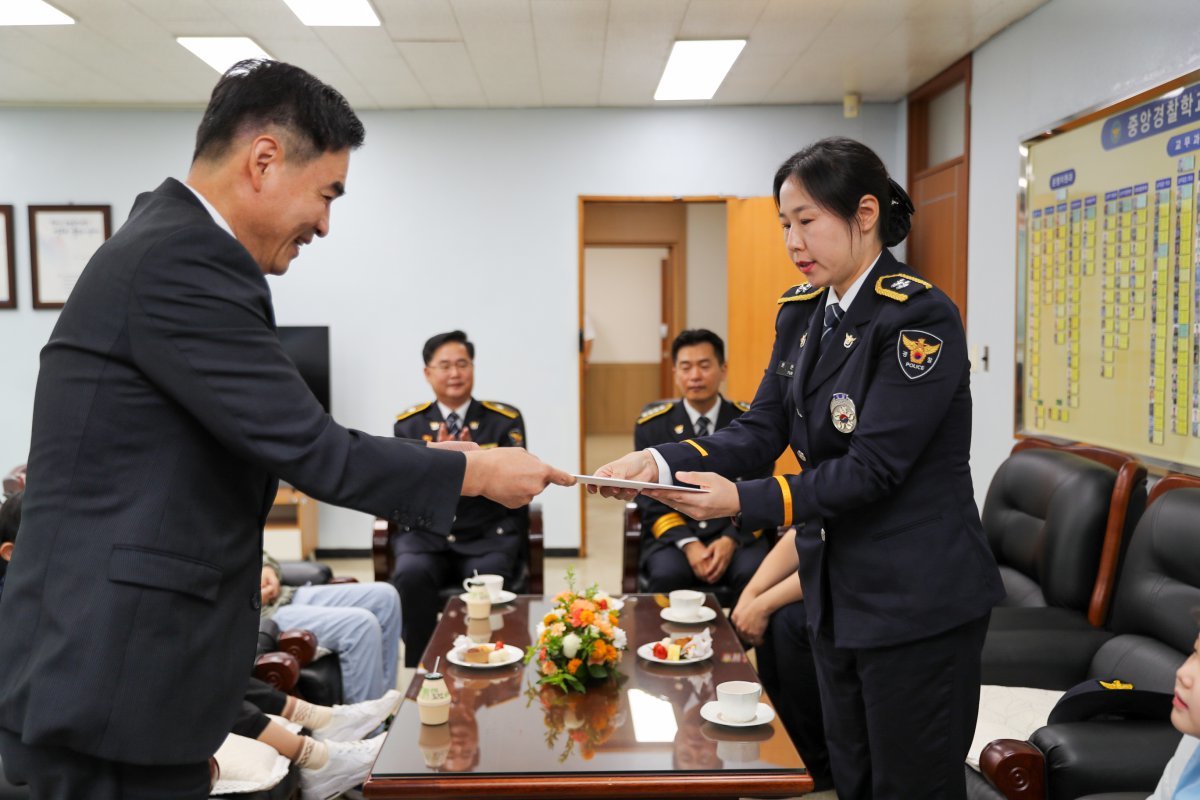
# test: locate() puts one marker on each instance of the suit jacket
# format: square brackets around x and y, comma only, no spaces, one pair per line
[480,525]
[662,526]
[165,411]
[890,543]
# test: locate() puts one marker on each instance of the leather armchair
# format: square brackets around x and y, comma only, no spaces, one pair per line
[1057,518]
[530,562]
[1153,631]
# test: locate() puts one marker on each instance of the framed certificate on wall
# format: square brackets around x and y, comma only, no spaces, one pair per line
[61,240]
[8,264]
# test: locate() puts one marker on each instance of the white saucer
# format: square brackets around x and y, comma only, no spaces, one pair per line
[515,654]
[706,614]
[505,596]
[764,715]
[646,651]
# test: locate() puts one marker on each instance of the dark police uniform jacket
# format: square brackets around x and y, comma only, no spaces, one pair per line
[889,539]
[662,526]
[165,410]
[480,525]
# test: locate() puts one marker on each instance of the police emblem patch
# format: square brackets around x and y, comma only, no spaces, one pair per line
[918,353]
[516,438]
[842,412]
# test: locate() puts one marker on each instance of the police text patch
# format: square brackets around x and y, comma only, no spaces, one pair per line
[918,353]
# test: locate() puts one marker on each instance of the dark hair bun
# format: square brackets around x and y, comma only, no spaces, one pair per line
[899,215]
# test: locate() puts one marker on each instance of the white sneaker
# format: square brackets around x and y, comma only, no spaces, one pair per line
[349,765]
[350,723]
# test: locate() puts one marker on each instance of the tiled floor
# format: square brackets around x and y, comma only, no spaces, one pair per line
[602,564]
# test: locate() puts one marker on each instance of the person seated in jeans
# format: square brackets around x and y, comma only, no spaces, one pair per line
[486,537]
[678,552]
[358,621]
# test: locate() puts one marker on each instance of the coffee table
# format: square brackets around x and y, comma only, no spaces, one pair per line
[641,738]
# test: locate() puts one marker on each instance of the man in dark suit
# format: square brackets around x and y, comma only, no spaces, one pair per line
[485,537]
[679,552]
[165,412]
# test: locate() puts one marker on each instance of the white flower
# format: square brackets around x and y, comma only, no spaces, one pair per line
[570,645]
[593,631]
[618,638]
[541,628]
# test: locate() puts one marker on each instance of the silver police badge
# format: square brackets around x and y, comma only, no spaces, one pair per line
[842,412]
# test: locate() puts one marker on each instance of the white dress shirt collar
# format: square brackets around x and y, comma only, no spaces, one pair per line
[831,296]
[211,209]
[461,410]
[712,413]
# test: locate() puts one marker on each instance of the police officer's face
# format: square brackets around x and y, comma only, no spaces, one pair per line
[451,374]
[698,373]
[1185,711]
[827,250]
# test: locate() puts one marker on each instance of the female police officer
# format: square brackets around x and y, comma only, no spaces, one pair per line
[868,384]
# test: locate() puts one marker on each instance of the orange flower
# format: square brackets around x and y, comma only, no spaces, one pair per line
[550,619]
[599,652]
[548,668]
[573,665]
[586,617]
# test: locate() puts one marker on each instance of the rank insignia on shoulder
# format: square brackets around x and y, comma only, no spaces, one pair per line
[417,409]
[842,413]
[900,287]
[786,368]
[516,438]
[500,408]
[657,411]
[741,405]
[918,353]
[805,291]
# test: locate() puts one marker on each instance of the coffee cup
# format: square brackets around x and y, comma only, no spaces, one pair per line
[494,584]
[686,603]
[737,701]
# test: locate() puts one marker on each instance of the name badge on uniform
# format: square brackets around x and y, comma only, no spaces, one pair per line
[842,412]
[786,368]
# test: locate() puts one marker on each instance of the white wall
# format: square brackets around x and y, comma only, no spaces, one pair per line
[623,298]
[1067,56]
[708,268]
[452,219]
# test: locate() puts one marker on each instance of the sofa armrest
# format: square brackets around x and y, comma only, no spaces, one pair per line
[301,573]
[1105,756]
[381,549]
[1017,769]
[280,670]
[299,643]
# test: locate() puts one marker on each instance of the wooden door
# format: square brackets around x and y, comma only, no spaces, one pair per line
[759,273]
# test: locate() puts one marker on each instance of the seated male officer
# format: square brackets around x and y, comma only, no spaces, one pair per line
[677,551]
[485,537]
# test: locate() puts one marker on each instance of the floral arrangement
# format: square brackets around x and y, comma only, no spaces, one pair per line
[578,640]
[588,719]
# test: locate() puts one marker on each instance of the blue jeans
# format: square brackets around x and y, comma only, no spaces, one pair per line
[358,621]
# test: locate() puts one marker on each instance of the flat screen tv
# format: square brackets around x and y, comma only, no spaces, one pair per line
[308,347]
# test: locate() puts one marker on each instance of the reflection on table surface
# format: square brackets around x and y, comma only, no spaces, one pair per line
[502,723]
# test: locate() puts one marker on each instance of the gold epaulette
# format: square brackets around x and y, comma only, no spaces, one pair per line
[805,291]
[417,409]
[900,287]
[741,405]
[657,411]
[666,522]
[500,408]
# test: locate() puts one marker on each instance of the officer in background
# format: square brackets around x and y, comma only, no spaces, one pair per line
[486,537]
[679,552]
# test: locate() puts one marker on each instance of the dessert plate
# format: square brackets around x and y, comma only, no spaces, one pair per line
[515,654]
[646,651]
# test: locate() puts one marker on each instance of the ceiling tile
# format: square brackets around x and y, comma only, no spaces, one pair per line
[381,71]
[638,43]
[569,38]
[419,20]
[445,73]
[499,38]
[720,19]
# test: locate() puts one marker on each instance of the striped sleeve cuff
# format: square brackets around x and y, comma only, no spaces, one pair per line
[666,522]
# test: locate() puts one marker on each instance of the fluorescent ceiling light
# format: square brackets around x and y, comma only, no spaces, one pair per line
[695,69]
[222,52]
[31,12]
[334,13]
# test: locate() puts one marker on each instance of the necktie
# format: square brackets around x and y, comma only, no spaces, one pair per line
[453,425]
[833,315]
[702,426]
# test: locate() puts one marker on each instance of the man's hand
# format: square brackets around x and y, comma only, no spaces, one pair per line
[720,553]
[269,585]
[636,466]
[721,499]
[697,556]
[464,435]
[454,444]
[509,475]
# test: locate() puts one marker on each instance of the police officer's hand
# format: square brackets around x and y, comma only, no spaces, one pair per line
[721,499]
[750,617]
[509,475]
[636,466]
[454,444]
[697,556]
[720,553]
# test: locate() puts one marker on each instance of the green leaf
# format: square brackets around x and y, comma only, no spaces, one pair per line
[597,671]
